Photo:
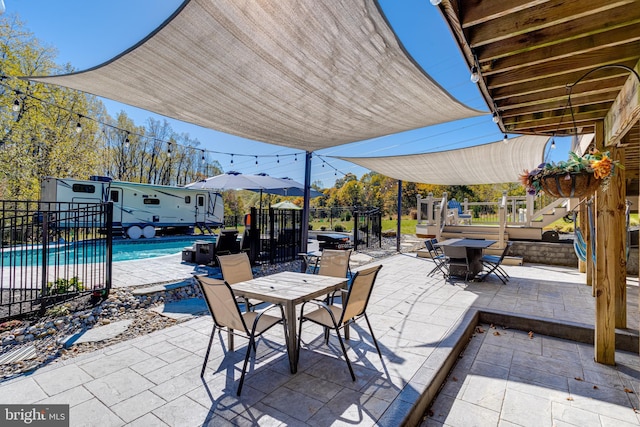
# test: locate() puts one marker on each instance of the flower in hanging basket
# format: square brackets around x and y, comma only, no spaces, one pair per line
[575,177]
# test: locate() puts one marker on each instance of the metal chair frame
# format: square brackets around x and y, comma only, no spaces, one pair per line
[225,312]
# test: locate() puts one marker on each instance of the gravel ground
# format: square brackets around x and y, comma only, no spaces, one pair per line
[46,334]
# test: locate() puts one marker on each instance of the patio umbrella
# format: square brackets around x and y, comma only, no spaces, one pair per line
[285,205]
[238,181]
[292,188]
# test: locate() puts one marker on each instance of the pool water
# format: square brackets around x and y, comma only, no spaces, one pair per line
[123,250]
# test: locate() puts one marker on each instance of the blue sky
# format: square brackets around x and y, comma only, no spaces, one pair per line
[87,33]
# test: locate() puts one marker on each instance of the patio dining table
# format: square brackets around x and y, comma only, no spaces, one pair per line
[474,249]
[289,289]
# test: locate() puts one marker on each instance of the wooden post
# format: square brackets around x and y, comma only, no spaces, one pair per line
[617,189]
[605,277]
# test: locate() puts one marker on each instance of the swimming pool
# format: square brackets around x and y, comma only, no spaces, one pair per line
[123,250]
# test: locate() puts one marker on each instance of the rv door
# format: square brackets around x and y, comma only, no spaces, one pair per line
[201,207]
[115,196]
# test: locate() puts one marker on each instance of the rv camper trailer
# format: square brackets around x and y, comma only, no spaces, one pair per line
[140,209]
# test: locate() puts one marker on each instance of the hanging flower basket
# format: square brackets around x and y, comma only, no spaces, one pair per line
[577,177]
[570,184]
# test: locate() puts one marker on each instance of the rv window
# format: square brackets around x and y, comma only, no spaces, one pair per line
[200,201]
[187,199]
[83,188]
[115,196]
[151,201]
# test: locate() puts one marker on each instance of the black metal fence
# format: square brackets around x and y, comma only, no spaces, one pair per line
[367,227]
[275,235]
[52,252]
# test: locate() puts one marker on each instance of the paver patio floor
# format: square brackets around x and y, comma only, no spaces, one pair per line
[505,379]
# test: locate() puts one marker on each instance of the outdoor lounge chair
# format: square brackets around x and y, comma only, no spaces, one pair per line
[458,214]
[224,309]
[437,255]
[457,262]
[354,307]
[493,263]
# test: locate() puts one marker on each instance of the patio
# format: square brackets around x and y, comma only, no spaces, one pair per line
[421,324]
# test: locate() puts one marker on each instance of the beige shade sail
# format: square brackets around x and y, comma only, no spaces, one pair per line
[304,74]
[492,163]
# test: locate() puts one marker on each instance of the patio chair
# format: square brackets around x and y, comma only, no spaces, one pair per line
[457,262]
[225,312]
[493,263]
[227,242]
[458,213]
[354,307]
[437,255]
[236,268]
[334,262]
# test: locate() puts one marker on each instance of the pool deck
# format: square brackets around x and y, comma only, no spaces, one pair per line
[505,377]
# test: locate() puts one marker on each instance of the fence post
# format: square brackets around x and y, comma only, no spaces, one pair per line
[419,205]
[109,252]
[355,229]
[530,208]
[502,218]
[45,260]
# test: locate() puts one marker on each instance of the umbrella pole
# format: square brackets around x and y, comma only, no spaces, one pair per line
[261,200]
[305,205]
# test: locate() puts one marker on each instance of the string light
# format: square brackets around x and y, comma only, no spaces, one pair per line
[202,158]
[495,117]
[20,98]
[79,125]
[553,144]
[475,76]
[256,160]
[505,140]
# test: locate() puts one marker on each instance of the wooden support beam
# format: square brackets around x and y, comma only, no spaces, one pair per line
[605,277]
[624,112]
[617,188]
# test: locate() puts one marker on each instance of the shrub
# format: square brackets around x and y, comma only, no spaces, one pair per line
[338,227]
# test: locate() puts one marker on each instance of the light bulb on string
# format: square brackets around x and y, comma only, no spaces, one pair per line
[277,158]
[202,158]
[495,117]
[256,160]
[79,125]
[232,159]
[475,76]
[126,140]
[169,150]
[553,144]
[16,105]
[295,157]
[505,140]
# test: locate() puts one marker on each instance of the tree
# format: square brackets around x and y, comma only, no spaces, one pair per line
[42,138]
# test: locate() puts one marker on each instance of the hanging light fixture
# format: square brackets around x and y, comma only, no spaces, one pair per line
[496,117]
[79,125]
[553,144]
[475,76]
[16,105]
[505,140]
